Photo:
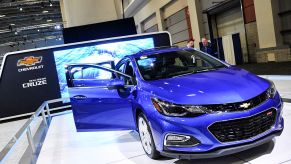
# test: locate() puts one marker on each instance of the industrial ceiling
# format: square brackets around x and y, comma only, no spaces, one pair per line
[28,21]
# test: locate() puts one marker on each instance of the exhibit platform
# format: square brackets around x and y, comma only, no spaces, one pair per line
[64,145]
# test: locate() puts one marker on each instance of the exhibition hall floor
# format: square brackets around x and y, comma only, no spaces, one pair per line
[64,145]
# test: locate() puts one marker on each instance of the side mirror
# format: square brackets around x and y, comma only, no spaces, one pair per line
[116,83]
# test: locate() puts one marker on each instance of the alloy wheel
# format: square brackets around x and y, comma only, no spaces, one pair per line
[145,135]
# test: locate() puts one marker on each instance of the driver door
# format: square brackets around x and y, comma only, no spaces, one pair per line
[100,99]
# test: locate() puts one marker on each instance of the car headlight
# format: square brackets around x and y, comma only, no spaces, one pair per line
[271,92]
[170,109]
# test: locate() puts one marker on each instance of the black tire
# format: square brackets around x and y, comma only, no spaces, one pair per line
[154,153]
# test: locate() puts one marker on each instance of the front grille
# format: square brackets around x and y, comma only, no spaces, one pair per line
[239,106]
[244,128]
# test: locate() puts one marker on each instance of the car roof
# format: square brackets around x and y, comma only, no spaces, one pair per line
[157,51]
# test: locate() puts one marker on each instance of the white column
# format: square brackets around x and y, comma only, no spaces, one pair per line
[82,12]
[160,20]
[195,12]
[268,23]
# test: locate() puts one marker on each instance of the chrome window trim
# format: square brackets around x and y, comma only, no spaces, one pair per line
[100,67]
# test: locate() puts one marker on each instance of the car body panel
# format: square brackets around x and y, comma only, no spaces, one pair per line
[198,127]
[98,106]
[107,107]
[225,85]
[101,109]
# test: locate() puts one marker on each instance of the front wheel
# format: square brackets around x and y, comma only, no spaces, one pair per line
[146,137]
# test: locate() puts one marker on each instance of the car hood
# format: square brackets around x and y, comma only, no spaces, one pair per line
[225,85]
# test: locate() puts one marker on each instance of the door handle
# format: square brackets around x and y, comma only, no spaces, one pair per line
[80,97]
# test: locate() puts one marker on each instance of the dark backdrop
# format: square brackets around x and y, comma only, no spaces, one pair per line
[16,100]
[102,30]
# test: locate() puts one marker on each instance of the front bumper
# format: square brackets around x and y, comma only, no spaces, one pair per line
[209,145]
[222,151]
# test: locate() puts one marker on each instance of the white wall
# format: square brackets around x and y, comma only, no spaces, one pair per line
[173,7]
[161,8]
[149,22]
[165,8]
[82,12]
[151,8]
[231,22]
[205,4]
[268,23]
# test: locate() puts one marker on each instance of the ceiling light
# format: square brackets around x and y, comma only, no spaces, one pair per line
[20,9]
[57,27]
[16,33]
[38,30]
[45,11]
[1,16]
[12,24]
[49,20]
[50,4]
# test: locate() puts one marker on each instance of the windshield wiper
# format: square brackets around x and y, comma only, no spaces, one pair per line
[206,70]
[209,69]
[192,72]
[198,71]
[188,73]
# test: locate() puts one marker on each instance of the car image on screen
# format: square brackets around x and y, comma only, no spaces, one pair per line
[183,103]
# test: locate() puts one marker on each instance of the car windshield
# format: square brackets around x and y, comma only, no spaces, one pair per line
[175,63]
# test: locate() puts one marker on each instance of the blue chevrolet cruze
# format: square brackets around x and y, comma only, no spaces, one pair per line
[184,103]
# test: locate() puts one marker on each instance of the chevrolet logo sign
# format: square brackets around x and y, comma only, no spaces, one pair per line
[245,105]
[29,61]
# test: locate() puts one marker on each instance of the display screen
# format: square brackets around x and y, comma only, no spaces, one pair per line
[96,54]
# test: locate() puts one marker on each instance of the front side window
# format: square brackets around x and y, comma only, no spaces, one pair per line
[91,73]
[175,63]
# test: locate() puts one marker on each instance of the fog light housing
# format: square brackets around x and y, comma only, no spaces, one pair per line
[180,140]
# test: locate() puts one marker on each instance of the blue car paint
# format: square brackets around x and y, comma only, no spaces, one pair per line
[198,127]
[198,88]
[108,109]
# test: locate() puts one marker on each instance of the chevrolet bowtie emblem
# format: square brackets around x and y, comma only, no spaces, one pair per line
[29,61]
[245,105]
